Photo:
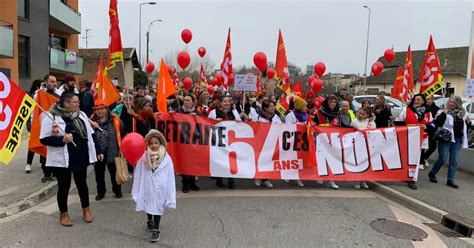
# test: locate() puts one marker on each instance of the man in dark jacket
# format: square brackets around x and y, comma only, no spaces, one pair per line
[432,143]
[87,100]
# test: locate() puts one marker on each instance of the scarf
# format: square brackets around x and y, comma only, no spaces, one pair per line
[330,114]
[73,116]
[420,111]
[267,115]
[300,116]
[187,110]
[154,159]
[456,113]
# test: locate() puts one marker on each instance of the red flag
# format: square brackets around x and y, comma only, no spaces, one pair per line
[98,73]
[281,63]
[115,41]
[430,74]
[165,88]
[259,82]
[397,91]
[297,90]
[408,85]
[203,77]
[16,107]
[175,78]
[45,101]
[226,65]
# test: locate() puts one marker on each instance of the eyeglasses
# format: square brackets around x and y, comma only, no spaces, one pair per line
[73,102]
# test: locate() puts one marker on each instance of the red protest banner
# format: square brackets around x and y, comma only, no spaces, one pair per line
[204,147]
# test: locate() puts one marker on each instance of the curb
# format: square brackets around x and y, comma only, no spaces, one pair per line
[30,201]
[412,203]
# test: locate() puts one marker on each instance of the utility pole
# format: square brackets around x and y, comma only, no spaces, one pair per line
[87,37]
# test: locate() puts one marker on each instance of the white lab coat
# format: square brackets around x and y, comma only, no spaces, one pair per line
[275,119]
[154,191]
[213,115]
[59,156]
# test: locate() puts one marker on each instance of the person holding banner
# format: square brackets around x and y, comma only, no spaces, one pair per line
[108,129]
[188,107]
[382,112]
[326,116]
[453,123]
[267,114]
[417,113]
[298,115]
[72,146]
[225,112]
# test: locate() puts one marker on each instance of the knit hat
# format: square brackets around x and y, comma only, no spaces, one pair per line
[153,133]
[299,103]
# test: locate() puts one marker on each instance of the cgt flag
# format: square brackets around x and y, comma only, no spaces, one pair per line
[281,64]
[408,86]
[430,78]
[15,109]
[398,91]
[226,65]
[115,40]
[104,87]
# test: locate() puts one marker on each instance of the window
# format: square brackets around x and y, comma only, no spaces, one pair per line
[23,9]
[24,56]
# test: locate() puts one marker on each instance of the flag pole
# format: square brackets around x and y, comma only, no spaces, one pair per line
[54,121]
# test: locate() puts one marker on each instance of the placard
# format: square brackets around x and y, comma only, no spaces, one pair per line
[246,82]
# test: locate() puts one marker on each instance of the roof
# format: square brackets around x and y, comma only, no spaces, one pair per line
[129,53]
[455,59]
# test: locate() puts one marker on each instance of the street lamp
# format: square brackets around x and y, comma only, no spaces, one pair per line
[148,39]
[140,29]
[366,51]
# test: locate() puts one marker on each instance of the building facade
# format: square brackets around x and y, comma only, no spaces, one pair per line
[44,37]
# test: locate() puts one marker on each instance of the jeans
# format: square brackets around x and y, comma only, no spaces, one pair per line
[156,221]
[63,175]
[99,169]
[445,148]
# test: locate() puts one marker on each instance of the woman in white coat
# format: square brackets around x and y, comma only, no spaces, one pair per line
[298,115]
[154,187]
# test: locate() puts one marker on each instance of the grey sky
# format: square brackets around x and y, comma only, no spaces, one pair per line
[330,31]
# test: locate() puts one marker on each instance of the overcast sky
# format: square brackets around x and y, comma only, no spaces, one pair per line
[330,31]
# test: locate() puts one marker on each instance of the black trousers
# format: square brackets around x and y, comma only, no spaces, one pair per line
[63,175]
[432,143]
[99,170]
[46,170]
[156,221]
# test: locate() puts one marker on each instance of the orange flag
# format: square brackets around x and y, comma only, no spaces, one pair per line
[281,64]
[398,86]
[165,88]
[430,74]
[44,100]
[408,85]
[104,88]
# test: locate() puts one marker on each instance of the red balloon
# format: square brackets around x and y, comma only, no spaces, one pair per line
[260,61]
[170,70]
[230,80]
[219,79]
[187,83]
[150,67]
[186,35]
[316,85]
[184,59]
[210,90]
[133,147]
[319,69]
[389,54]
[213,81]
[270,73]
[310,80]
[202,51]
[377,68]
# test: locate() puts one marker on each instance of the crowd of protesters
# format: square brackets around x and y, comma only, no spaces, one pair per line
[80,125]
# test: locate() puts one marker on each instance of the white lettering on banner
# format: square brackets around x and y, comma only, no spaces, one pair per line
[6,110]
[414,151]
[329,154]
[384,148]
[236,159]
[356,158]
[287,162]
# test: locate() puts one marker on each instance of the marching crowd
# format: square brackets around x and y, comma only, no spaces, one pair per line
[79,131]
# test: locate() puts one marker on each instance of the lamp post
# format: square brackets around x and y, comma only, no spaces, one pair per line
[366,51]
[140,30]
[148,39]
[87,37]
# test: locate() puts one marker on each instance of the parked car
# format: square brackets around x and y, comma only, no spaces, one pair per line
[395,105]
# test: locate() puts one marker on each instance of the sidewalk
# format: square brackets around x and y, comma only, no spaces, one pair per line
[453,201]
[19,190]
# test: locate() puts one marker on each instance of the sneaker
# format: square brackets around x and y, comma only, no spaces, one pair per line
[149,226]
[46,178]
[319,181]
[28,168]
[219,184]
[268,184]
[364,185]
[357,186]
[231,185]
[333,185]
[412,185]
[258,182]
[99,197]
[451,184]
[426,163]
[197,179]
[432,177]
[118,195]
[286,180]
[299,183]
[155,236]
[421,166]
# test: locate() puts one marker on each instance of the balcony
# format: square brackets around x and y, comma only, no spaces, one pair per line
[64,18]
[57,59]
[6,40]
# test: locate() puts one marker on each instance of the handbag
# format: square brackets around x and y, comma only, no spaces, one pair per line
[121,173]
[442,135]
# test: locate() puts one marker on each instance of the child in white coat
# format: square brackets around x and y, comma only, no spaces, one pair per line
[154,187]
[363,121]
